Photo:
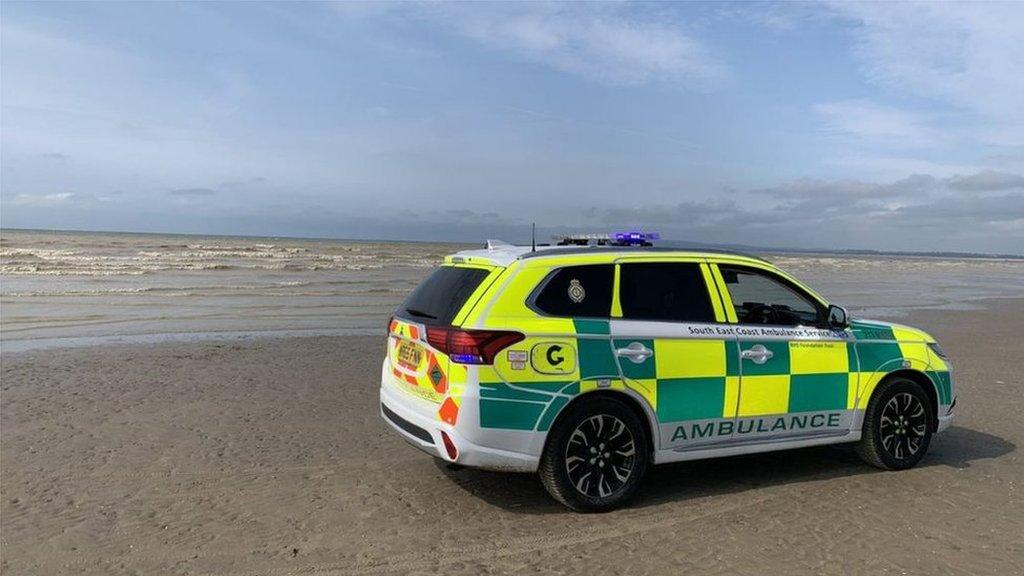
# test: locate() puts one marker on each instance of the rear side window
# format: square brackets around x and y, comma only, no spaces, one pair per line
[672,291]
[578,291]
[440,297]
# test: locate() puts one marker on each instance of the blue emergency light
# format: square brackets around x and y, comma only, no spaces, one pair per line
[634,238]
[613,239]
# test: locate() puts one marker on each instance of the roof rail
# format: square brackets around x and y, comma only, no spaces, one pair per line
[562,250]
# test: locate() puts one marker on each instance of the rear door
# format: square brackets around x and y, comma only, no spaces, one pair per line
[667,336]
[566,350]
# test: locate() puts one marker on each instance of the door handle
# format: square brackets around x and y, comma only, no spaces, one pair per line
[757,354]
[635,352]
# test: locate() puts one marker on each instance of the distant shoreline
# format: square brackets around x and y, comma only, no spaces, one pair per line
[682,244]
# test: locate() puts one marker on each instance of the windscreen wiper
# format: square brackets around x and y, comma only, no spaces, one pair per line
[420,313]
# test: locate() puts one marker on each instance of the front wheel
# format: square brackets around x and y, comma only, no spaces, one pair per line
[596,455]
[897,426]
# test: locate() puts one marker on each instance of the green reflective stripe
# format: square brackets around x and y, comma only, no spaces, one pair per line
[868,331]
[509,414]
[501,390]
[690,398]
[505,406]
[817,392]
[549,415]
[943,384]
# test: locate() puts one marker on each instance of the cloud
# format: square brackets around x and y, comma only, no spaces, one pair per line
[193,192]
[987,180]
[984,210]
[609,43]
[919,212]
[689,213]
[52,199]
[605,47]
[951,76]
[912,188]
[870,120]
[968,55]
[850,190]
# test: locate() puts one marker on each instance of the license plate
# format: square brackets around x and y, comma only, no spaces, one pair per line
[409,355]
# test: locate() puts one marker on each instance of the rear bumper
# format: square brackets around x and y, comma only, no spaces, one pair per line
[416,421]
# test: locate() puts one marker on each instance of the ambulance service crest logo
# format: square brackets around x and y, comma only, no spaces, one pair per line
[576,291]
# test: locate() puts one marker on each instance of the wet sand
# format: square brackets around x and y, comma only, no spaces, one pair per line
[268,457]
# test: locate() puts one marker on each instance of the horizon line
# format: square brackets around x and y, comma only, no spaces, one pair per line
[748,247]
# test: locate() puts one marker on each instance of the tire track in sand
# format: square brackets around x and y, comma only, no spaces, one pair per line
[432,559]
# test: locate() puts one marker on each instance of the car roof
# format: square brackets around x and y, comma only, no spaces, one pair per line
[501,254]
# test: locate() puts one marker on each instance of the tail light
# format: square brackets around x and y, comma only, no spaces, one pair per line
[471,346]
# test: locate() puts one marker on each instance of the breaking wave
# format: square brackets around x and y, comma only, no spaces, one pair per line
[122,259]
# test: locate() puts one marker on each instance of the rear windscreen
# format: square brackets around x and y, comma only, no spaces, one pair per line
[440,297]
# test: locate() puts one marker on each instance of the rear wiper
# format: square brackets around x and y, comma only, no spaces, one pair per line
[420,313]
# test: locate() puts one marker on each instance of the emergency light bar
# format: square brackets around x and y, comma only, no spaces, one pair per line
[613,239]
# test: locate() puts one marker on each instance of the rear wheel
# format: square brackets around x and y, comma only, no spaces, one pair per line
[897,426]
[596,455]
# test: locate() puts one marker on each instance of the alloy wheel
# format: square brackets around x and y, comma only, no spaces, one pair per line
[600,456]
[903,425]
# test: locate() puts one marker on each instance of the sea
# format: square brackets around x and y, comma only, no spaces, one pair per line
[81,288]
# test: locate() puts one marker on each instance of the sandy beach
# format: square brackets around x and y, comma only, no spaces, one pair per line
[267,456]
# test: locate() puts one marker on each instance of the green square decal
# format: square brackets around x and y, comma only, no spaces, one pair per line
[690,398]
[777,365]
[584,326]
[817,392]
[732,358]
[873,355]
[596,360]
[642,371]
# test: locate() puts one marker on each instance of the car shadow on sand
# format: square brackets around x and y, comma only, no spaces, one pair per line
[957,447]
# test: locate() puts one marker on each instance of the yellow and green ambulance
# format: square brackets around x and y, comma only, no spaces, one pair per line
[587,364]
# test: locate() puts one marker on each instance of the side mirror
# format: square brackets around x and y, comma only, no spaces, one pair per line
[837,317]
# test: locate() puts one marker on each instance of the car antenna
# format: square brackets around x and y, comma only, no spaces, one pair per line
[533,236]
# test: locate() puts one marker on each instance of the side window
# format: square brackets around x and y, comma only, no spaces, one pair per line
[760,298]
[578,291]
[673,291]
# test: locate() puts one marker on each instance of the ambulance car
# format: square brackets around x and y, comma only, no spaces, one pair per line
[589,363]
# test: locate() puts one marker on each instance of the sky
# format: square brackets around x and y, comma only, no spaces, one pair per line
[889,126]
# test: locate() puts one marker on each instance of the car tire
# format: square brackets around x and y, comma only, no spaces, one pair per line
[898,426]
[596,455]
